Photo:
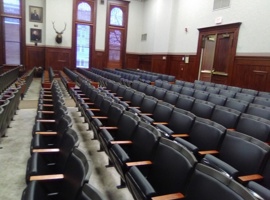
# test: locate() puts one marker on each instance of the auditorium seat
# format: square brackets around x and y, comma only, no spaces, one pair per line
[123,130]
[236,104]
[262,101]
[139,148]
[202,108]
[179,125]
[209,184]
[204,137]
[254,126]
[159,93]
[147,106]
[217,99]
[171,97]
[51,138]
[212,90]
[202,95]
[88,192]
[51,160]
[225,116]
[258,110]
[59,186]
[187,91]
[160,115]
[241,157]
[227,93]
[169,171]
[185,102]
[176,88]
[244,97]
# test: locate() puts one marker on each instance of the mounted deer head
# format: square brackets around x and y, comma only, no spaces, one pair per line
[58,37]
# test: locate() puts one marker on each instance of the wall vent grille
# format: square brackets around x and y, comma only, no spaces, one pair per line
[219,4]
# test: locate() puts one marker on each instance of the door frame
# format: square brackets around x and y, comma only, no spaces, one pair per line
[232,28]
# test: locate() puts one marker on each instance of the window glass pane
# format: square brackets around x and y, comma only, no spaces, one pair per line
[84,12]
[83,46]
[116,17]
[115,45]
[11,7]
[12,40]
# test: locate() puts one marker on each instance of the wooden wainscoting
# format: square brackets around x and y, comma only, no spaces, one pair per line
[58,58]
[182,70]
[132,61]
[35,57]
[159,64]
[99,59]
[252,72]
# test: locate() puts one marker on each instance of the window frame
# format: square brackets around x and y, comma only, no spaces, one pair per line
[21,17]
[124,6]
[92,25]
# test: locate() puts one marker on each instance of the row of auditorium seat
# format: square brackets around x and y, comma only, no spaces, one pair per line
[8,77]
[10,97]
[258,107]
[57,168]
[126,127]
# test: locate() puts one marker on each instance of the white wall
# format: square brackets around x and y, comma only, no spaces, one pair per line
[35,25]
[164,22]
[60,12]
[193,14]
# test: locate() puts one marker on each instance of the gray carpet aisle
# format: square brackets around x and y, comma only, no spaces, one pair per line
[15,152]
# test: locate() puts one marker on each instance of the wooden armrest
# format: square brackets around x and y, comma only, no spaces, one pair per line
[121,142]
[47,177]
[138,163]
[45,120]
[99,117]
[147,114]
[231,129]
[94,109]
[164,123]
[46,132]
[169,196]
[208,152]
[46,150]
[89,103]
[48,105]
[108,127]
[127,101]
[120,97]
[47,112]
[134,107]
[85,98]
[252,177]
[180,135]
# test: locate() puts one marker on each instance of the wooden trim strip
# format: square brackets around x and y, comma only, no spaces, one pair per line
[47,177]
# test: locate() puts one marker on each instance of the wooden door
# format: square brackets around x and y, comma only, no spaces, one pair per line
[216,52]
[207,57]
[222,58]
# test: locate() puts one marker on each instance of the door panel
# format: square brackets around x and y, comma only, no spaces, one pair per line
[222,58]
[207,57]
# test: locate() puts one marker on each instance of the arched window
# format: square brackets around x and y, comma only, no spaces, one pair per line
[116,33]
[116,17]
[84,25]
[84,12]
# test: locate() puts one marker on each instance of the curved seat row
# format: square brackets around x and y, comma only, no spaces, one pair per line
[8,77]
[150,164]
[57,168]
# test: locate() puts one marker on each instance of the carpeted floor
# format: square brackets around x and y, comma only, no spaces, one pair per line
[15,152]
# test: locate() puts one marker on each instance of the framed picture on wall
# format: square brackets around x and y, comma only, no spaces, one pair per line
[35,35]
[35,14]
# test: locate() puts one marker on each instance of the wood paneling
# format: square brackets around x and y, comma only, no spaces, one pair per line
[35,57]
[159,64]
[181,70]
[145,62]
[252,72]
[98,59]
[58,58]
[132,61]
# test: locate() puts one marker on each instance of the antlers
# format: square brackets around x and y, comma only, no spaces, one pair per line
[61,31]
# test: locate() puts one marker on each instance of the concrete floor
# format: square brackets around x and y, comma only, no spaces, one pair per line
[15,152]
